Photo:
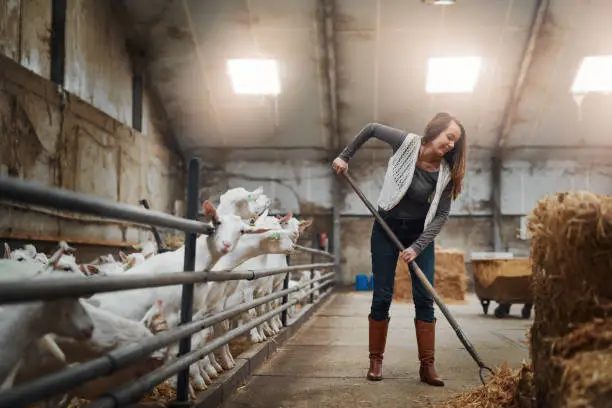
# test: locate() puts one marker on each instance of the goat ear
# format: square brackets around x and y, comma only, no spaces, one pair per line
[209,211]
[7,250]
[258,190]
[92,269]
[305,224]
[286,218]
[123,257]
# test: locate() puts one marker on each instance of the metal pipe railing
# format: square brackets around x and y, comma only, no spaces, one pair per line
[193,190]
[313,251]
[30,192]
[15,291]
[117,359]
[133,391]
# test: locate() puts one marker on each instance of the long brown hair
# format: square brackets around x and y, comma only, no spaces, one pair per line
[456,157]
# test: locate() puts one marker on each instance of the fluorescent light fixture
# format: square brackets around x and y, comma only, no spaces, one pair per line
[452,74]
[594,75]
[254,76]
[440,2]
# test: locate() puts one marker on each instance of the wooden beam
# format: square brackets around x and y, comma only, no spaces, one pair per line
[510,113]
[519,84]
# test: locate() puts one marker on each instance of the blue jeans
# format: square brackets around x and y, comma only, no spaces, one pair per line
[384,260]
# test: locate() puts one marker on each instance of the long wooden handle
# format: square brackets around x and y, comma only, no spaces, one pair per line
[418,272]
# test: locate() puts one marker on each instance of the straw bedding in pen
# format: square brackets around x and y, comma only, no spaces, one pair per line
[507,388]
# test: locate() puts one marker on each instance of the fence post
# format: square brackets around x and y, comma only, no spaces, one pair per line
[193,187]
[315,244]
[286,297]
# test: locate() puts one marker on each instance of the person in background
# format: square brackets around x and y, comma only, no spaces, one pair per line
[423,175]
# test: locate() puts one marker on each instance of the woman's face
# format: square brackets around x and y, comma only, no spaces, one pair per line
[445,141]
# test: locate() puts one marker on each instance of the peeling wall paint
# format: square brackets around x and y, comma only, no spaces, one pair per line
[9,28]
[25,32]
[77,147]
[98,67]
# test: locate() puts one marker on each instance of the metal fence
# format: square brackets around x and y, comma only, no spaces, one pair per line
[17,291]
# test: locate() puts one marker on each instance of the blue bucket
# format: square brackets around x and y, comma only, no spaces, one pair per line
[361,282]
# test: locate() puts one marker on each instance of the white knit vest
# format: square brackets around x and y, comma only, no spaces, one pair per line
[399,176]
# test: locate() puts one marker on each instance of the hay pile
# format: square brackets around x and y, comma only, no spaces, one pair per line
[174,241]
[571,336]
[505,389]
[240,344]
[163,393]
[450,278]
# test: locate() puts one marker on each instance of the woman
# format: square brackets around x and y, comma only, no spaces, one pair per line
[423,175]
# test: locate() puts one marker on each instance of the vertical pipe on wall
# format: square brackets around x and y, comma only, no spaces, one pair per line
[326,21]
[137,85]
[58,41]
[498,241]
[193,186]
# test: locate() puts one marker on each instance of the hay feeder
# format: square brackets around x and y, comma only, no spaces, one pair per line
[499,277]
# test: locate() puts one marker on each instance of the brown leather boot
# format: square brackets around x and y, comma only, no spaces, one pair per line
[426,340]
[378,339]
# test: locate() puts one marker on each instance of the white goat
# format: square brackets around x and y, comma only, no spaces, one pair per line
[243,203]
[268,285]
[22,325]
[111,332]
[147,248]
[27,254]
[249,248]
[133,304]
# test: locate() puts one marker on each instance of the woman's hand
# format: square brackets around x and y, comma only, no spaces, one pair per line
[339,165]
[408,255]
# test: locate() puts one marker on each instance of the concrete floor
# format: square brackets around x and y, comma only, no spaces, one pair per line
[324,364]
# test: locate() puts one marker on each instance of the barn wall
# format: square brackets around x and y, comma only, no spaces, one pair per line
[83,141]
[304,188]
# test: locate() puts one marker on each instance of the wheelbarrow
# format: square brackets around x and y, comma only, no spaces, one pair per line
[505,281]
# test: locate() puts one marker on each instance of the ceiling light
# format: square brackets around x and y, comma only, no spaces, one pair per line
[440,2]
[254,76]
[594,75]
[452,74]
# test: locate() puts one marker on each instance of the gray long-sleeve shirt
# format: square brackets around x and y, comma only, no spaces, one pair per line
[416,202]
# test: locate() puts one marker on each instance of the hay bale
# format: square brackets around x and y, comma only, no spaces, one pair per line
[578,372]
[571,263]
[586,381]
[450,277]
